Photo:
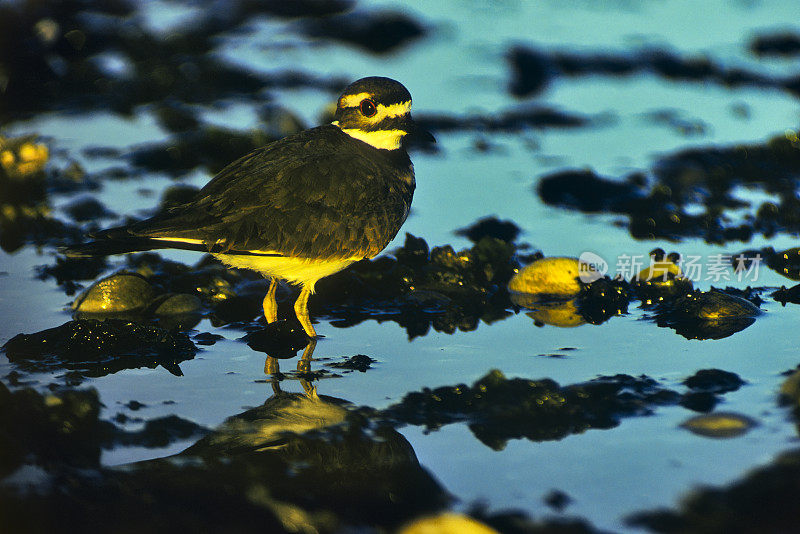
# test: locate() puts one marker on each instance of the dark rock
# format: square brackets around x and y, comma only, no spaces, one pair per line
[280,339]
[207,338]
[589,192]
[699,401]
[98,348]
[377,32]
[490,227]
[714,381]
[359,362]
[776,44]
[557,500]
[85,209]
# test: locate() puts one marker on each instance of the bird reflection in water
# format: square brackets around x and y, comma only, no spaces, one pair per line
[319,453]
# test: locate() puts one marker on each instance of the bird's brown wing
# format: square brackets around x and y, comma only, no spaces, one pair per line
[301,196]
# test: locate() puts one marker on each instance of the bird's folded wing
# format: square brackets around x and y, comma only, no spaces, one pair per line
[293,203]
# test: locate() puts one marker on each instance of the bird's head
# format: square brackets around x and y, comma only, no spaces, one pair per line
[377,111]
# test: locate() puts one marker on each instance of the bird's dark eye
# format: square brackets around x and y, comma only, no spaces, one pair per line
[368,108]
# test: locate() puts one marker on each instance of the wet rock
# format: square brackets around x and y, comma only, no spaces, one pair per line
[790,392]
[784,44]
[785,262]
[86,209]
[118,293]
[98,348]
[587,191]
[714,381]
[513,119]
[700,401]
[22,159]
[534,68]
[790,295]
[707,315]
[762,501]
[491,227]
[176,304]
[603,299]
[557,500]
[550,278]
[662,279]
[422,287]
[280,340]
[447,523]
[497,408]
[359,362]
[719,425]
[665,204]
[378,32]
[206,338]
[76,56]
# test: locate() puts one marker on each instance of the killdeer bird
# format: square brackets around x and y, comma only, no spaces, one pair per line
[301,208]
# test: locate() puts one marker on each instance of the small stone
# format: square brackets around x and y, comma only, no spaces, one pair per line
[120,292]
[719,425]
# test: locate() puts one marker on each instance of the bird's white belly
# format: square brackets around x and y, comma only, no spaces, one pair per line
[295,270]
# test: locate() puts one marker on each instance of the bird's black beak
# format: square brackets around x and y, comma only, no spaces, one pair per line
[418,136]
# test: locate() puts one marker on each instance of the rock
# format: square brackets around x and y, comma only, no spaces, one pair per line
[447,523]
[97,348]
[554,277]
[719,425]
[120,292]
[714,381]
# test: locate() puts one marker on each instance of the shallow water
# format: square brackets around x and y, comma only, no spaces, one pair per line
[643,463]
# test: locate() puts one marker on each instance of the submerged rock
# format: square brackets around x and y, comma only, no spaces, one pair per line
[359,362]
[719,425]
[98,348]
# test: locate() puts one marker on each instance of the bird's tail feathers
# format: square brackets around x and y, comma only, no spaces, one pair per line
[107,244]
